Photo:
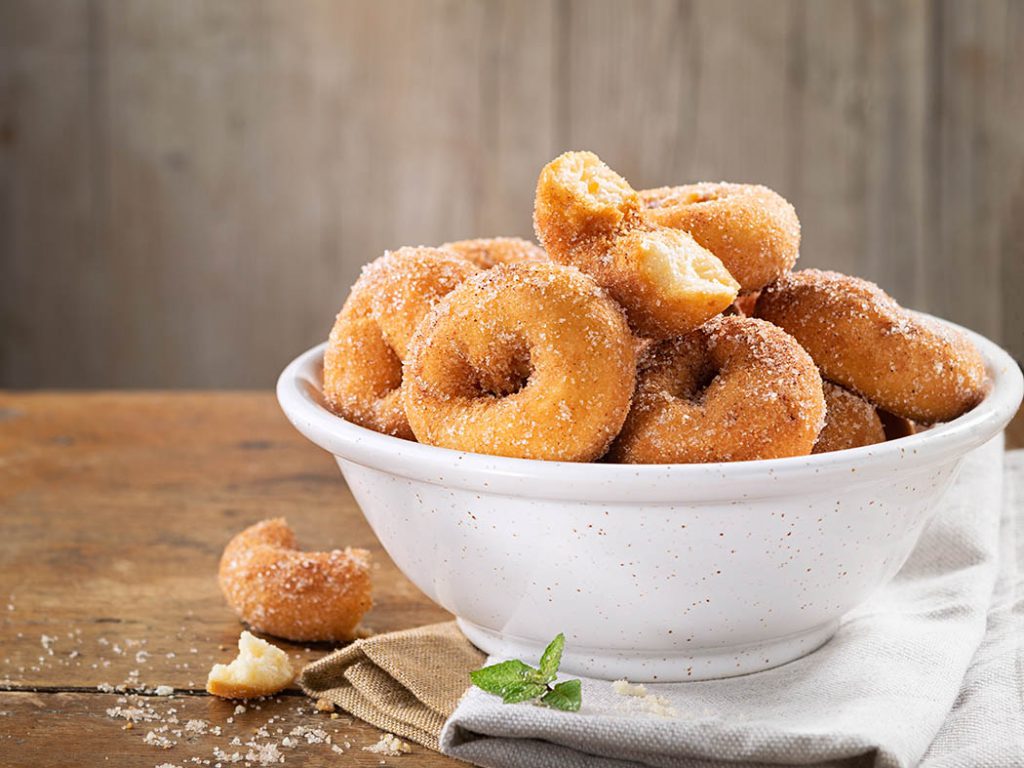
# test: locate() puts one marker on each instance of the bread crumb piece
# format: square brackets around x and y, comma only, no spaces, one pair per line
[260,669]
[324,705]
[390,745]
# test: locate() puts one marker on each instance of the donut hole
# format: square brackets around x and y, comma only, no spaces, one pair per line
[505,373]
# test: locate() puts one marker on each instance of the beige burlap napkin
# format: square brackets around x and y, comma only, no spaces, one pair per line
[407,683]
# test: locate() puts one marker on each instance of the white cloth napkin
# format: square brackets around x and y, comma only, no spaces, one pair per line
[926,672]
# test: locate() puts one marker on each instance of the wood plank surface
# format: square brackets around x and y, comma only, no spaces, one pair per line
[55,730]
[187,189]
[116,508]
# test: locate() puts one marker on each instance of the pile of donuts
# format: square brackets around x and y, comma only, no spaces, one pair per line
[655,326]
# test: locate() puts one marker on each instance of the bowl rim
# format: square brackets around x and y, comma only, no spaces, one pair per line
[299,395]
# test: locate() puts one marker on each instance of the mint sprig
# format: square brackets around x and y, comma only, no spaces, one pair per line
[515,681]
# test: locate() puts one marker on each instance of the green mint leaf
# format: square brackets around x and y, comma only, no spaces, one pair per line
[565,696]
[498,677]
[552,658]
[524,691]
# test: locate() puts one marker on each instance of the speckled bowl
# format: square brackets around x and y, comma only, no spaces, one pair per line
[680,572]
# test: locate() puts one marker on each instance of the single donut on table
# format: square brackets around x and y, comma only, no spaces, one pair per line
[301,596]
[492,251]
[370,338]
[753,230]
[863,340]
[850,421]
[529,360]
[736,389]
[588,216]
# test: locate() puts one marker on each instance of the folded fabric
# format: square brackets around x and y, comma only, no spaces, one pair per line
[407,683]
[892,681]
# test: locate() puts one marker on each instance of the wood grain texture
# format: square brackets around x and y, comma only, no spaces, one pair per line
[55,730]
[187,189]
[116,509]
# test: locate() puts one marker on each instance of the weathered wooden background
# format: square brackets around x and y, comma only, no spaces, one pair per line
[187,187]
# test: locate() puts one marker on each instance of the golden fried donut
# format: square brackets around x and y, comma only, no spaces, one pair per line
[370,338]
[850,421]
[863,340]
[529,360]
[302,596]
[735,389]
[753,230]
[490,252]
[588,216]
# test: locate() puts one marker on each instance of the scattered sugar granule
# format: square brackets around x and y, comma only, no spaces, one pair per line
[652,705]
[164,690]
[264,754]
[47,642]
[390,745]
[154,739]
[239,710]
[626,688]
[105,688]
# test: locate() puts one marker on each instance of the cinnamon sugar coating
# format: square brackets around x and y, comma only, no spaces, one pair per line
[370,338]
[302,596]
[492,251]
[588,216]
[736,389]
[753,230]
[529,360]
[850,421]
[863,340]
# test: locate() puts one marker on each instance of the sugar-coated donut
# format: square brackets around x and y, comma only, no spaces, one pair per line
[302,596]
[850,421]
[753,230]
[863,340]
[529,360]
[492,251]
[588,216]
[370,338]
[735,389]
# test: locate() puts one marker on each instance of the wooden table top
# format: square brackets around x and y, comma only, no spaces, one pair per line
[116,507]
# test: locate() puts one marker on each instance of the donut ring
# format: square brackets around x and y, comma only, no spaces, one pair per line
[863,340]
[528,360]
[301,596]
[850,421]
[736,389]
[370,338]
[588,216]
[753,230]
[490,252]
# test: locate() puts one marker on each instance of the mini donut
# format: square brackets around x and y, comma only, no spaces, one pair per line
[301,596]
[863,340]
[753,230]
[588,216]
[490,252]
[370,338]
[850,421]
[736,389]
[529,360]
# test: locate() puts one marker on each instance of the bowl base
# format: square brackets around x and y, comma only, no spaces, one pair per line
[658,667]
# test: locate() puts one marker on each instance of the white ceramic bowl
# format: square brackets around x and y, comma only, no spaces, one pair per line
[678,572]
